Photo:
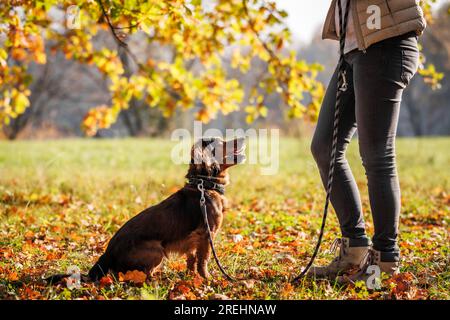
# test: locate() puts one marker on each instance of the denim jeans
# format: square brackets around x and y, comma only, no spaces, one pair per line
[370,105]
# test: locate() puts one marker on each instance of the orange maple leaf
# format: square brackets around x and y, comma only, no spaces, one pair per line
[13,276]
[135,276]
[197,281]
[106,281]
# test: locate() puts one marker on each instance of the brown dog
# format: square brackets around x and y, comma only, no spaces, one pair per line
[176,224]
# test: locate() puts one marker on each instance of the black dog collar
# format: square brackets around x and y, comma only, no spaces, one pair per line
[208,183]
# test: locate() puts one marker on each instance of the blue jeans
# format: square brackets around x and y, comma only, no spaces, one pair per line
[371,104]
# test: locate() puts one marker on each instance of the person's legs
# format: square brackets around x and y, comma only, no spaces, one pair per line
[380,75]
[345,195]
[354,244]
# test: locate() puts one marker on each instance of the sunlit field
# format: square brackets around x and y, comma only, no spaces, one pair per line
[61,201]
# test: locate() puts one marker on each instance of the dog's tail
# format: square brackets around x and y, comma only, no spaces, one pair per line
[56,278]
[100,269]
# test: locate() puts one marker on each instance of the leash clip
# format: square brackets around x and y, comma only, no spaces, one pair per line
[201,188]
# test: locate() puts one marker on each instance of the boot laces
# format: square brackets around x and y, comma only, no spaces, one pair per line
[337,243]
[367,261]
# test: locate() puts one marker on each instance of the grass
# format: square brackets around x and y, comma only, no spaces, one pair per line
[61,201]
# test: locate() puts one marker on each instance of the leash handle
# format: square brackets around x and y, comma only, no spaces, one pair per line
[341,88]
[201,188]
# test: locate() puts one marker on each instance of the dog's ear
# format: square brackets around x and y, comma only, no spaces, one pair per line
[204,151]
[199,153]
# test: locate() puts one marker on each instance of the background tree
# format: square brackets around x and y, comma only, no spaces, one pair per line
[197,34]
[426,110]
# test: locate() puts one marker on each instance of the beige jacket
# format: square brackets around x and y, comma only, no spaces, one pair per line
[397,17]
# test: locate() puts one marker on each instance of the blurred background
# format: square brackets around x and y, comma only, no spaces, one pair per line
[63,90]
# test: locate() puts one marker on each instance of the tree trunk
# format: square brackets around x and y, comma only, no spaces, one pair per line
[131,117]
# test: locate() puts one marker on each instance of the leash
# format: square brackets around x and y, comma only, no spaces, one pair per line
[201,188]
[342,87]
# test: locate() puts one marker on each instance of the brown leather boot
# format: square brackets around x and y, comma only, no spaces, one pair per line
[348,258]
[369,272]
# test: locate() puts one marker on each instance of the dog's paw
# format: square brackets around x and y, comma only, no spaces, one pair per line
[204,273]
[191,270]
[191,265]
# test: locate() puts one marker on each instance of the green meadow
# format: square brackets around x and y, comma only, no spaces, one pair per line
[62,200]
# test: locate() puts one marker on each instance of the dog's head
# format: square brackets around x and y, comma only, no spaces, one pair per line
[213,156]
